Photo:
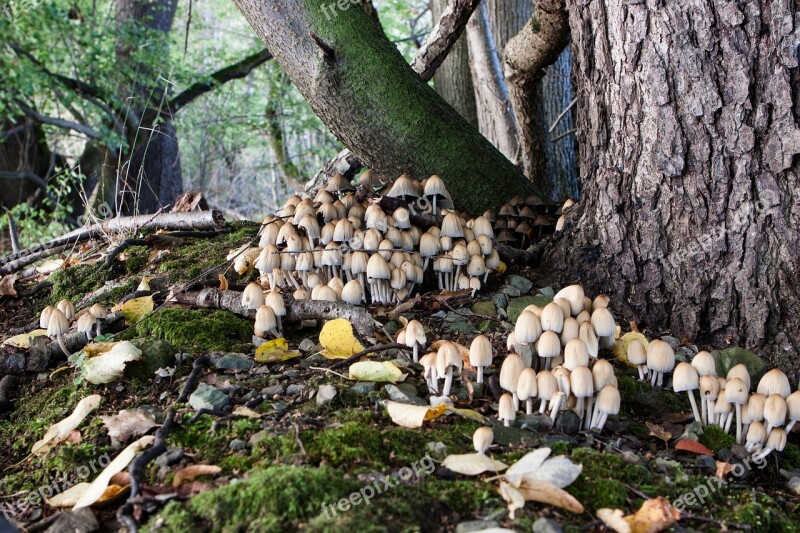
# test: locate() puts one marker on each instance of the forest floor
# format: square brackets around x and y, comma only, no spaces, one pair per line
[295,453]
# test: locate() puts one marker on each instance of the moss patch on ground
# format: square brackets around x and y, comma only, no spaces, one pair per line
[197,330]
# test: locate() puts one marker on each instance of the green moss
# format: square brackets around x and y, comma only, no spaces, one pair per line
[212,442]
[602,482]
[197,256]
[716,439]
[200,330]
[136,260]
[76,282]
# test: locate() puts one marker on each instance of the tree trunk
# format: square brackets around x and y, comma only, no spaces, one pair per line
[496,118]
[561,154]
[453,80]
[364,91]
[688,134]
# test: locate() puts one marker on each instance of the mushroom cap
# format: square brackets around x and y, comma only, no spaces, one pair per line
[775,410]
[754,409]
[352,292]
[339,183]
[98,311]
[482,439]
[571,330]
[584,316]
[528,329]
[774,382]
[740,371]
[564,305]
[448,355]
[253,296]
[274,299]
[378,268]
[552,318]
[66,307]
[44,317]
[736,391]
[660,356]
[601,300]
[85,323]
[777,439]
[636,353]
[434,186]
[709,387]
[402,187]
[452,227]
[756,433]
[722,405]
[512,367]
[581,382]
[480,351]
[603,322]
[603,374]
[547,385]
[324,293]
[548,345]
[58,323]
[562,375]
[576,354]
[587,334]
[793,406]
[265,321]
[300,294]
[609,400]
[705,364]
[574,295]
[370,180]
[685,378]
[505,408]
[482,226]
[415,334]
[527,386]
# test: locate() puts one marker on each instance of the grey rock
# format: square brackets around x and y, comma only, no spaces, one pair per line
[547,291]
[727,359]
[631,458]
[237,445]
[325,393]
[476,525]
[672,341]
[794,485]
[568,422]
[692,431]
[257,437]
[269,392]
[291,374]
[279,406]
[362,388]
[546,525]
[295,388]
[170,457]
[511,291]
[438,314]
[80,521]
[392,327]
[500,300]
[536,422]
[706,462]
[316,359]
[208,397]
[307,345]
[155,354]
[461,326]
[517,305]
[524,285]
[235,362]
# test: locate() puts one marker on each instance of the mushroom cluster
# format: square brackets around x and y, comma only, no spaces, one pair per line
[335,247]
[522,222]
[57,320]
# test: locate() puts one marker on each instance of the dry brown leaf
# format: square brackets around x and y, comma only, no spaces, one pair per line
[543,492]
[723,469]
[60,431]
[659,432]
[655,515]
[242,410]
[7,285]
[689,445]
[223,282]
[193,471]
[129,423]
[412,416]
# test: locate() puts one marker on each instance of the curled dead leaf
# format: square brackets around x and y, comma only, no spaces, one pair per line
[193,471]
[655,514]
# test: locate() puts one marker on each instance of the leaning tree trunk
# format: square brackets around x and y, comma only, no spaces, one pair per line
[453,80]
[365,92]
[689,141]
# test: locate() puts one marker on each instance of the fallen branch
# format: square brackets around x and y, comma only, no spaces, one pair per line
[297,311]
[199,220]
[515,256]
[374,349]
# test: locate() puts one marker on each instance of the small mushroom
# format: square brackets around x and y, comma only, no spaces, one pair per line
[428,362]
[57,326]
[527,388]
[100,314]
[792,410]
[753,411]
[480,354]
[736,393]
[547,384]
[509,375]
[528,328]
[709,390]
[739,371]
[253,296]
[448,361]
[274,299]
[608,403]
[547,347]
[756,435]
[574,295]
[660,359]
[86,324]
[415,337]
[582,385]
[775,411]
[66,307]
[266,322]
[776,441]
[774,382]
[482,439]
[44,317]
[705,364]
[685,379]
[722,410]
[637,355]
[506,411]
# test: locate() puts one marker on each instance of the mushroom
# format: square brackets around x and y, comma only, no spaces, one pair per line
[576,354]
[685,379]
[638,356]
[415,337]
[775,441]
[548,386]
[574,295]
[378,274]
[266,322]
[428,362]
[552,318]
[482,439]
[86,324]
[756,435]
[100,314]
[527,388]
[792,410]
[754,410]
[587,334]
[660,359]
[774,382]
[44,318]
[435,190]
[324,294]
[582,385]
[709,390]
[57,326]
[601,300]
[722,409]
[555,404]
[274,299]
[66,307]
[603,322]
[775,411]
[602,375]
[736,393]
[547,347]
[705,364]
[253,296]
[448,359]
[509,375]
[480,354]
[528,329]
[608,403]
[505,410]
[571,330]
[740,371]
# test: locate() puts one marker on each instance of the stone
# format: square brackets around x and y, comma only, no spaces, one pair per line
[794,485]
[630,457]
[568,422]
[295,388]
[257,437]
[279,406]
[517,305]
[325,393]
[547,291]
[316,359]
[235,362]
[237,445]
[291,374]
[500,300]
[461,326]
[511,291]
[170,457]
[672,341]
[362,388]
[208,397]
[274,390]
[546,525]
[706,462]
[727,359]
[536,422]
[155,354]
[524,285]
[307,345]
[692,431]
[476,525]
[80,521]
[484,309]
[392,327]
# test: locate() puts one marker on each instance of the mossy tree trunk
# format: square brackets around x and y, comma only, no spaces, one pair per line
[689,149]
[365,92]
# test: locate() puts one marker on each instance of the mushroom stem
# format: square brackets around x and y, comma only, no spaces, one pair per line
[738,423]
[415,350]
[280,326]
[789,426]
[641,373]
[704,406]
[480,375]
[728,421]
[543,407]
[506,422]
[516,401]
[695,412]
[97,325]
[556,404]
[589,414]
[653,378]
[448,381]
[763,454]
[601,421]
[62,344]
[529,406]
[660,379]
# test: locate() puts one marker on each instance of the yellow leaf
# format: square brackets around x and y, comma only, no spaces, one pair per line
[60,431]
[137,308]
[544,492]
[274,351]
[51,265]
[243,410]
[70,497]
[655,515]
[223,282]
[470,414]
[98,487]
[620,349]
[23,340]
[412,416]
[338,340]
[376,371]
[501,268]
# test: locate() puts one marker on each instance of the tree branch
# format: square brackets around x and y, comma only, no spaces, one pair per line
[235,71]
[29,176]
[60,122]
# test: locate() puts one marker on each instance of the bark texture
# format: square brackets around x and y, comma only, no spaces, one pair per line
[360,86]
[689,143]
[453,80]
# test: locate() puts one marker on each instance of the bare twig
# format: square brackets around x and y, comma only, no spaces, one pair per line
[565,134]
[562,114]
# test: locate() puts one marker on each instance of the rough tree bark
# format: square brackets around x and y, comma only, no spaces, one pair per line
[361,87]
[689,141]
[453,80]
